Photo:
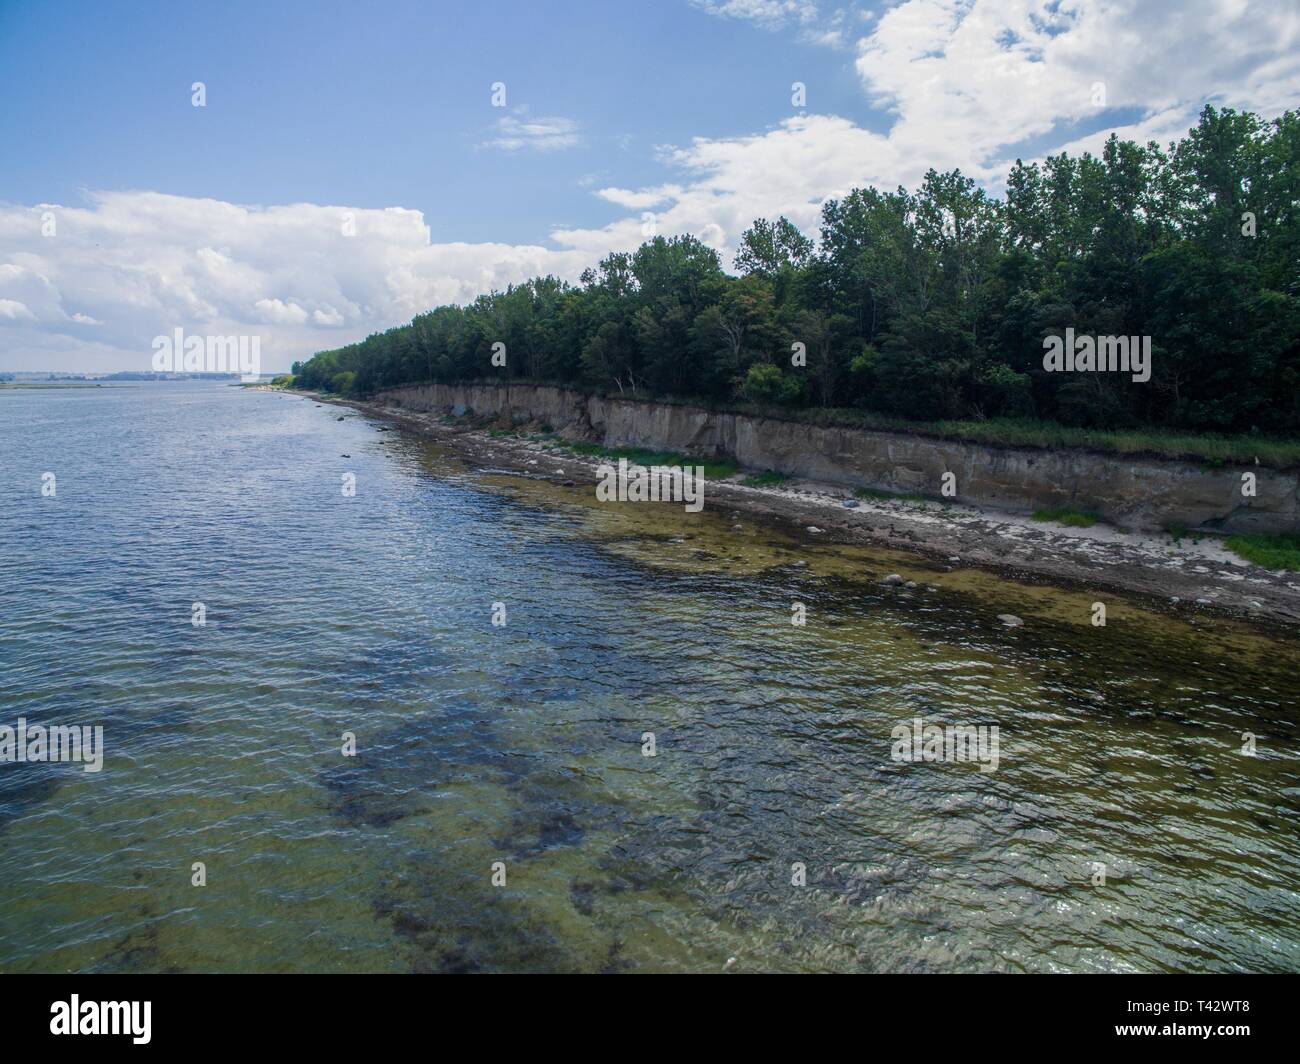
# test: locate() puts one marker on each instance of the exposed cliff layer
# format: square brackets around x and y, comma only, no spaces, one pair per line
[1137,492]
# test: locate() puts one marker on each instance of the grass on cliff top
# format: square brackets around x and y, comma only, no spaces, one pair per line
[1270,552]
[714,468]
[1209,449]
[770,479]
[1063,515]
[888,496]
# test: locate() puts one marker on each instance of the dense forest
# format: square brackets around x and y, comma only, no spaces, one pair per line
[933,304]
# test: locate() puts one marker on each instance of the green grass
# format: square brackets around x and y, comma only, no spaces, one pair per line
[769,479]
[1062,515]
[1178,531]
[1271,552]
[716,469]
[1206,448]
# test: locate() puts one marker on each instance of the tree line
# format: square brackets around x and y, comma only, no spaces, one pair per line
[932,304]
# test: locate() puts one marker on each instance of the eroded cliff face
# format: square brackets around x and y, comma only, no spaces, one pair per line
[1139,493]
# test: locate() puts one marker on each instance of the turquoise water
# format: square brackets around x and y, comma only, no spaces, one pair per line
[522,744]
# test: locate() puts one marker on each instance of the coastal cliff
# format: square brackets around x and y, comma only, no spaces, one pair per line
[1140,492]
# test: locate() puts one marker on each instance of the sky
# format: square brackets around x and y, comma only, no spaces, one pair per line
[354,164]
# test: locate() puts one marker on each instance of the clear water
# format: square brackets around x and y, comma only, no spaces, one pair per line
[522,744]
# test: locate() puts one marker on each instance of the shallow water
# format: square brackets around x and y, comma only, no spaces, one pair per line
[522,744]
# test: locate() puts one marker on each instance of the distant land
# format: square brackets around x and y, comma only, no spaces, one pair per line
[20,375]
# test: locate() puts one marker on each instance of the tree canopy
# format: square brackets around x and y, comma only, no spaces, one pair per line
[935,303]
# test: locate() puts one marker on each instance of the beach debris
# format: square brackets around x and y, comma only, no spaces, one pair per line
[813,528]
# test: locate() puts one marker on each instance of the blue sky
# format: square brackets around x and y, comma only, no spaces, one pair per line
[386,104]
[349,169]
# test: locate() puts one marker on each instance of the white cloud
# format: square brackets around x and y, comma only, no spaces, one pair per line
[971,79]
[279,312]
[828,38]
[788,170]
[826,30]
[515,133]
[26,293]
[770,14]
[639,199]
[130,266]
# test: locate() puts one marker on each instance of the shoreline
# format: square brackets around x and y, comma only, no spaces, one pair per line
[1185,577]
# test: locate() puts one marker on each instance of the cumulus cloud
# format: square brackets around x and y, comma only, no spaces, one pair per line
[15,311]
[130,266]
[971,80]
[278,312]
